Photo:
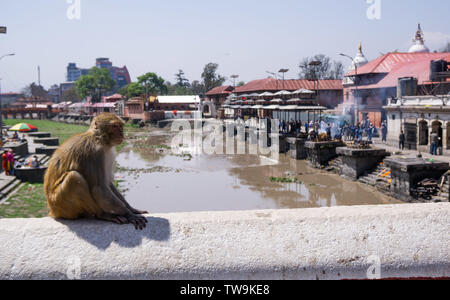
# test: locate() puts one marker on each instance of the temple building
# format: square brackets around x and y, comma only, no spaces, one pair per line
[329,92]
[369,85]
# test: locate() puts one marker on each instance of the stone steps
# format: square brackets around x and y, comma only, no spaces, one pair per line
[375,178]
[9,188]
[335,165]
[443,195]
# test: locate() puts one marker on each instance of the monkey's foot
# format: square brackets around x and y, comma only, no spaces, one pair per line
[139,222]
[115,219]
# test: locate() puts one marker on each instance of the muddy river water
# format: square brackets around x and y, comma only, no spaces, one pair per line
[153,178]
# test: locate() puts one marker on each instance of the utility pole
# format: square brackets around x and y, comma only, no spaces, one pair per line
[3,30]
[283,71]
[39,75]
[234,77]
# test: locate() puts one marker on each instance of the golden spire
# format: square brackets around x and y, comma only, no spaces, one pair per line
[360,47]
[419,35]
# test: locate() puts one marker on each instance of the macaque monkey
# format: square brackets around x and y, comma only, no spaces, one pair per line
[79,180]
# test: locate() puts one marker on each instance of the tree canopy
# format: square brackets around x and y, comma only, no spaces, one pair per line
[71,96]
[152,84]
[35,91]
[210,77]
[131,90]
[147,84]
[327,69]
[96,84]
[182,81]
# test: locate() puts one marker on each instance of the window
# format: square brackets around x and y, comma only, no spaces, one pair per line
[393,117]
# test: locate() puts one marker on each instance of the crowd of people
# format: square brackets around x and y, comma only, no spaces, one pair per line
[336,131]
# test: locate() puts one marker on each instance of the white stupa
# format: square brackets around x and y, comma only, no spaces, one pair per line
[419,43]
[359,60]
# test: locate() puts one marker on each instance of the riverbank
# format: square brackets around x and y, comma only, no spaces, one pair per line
[60,130]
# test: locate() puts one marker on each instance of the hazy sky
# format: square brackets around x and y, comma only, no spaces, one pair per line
[245,37]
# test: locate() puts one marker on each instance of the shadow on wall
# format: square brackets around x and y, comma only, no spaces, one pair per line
[102,234]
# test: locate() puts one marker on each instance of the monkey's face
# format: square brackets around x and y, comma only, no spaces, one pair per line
[116,134]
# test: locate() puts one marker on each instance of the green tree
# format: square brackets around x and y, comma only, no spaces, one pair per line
[182,81]
[96,84]
[131,90]
[197,88]
[210,77]
[71,96]
[35,91]
[152,84]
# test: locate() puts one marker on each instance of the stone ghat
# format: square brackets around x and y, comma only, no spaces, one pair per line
[321,153]
[356,162]
[401,241]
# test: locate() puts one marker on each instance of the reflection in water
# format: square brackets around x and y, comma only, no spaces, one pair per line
[157,181]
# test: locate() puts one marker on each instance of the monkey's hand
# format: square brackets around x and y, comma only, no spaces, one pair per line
[139,222]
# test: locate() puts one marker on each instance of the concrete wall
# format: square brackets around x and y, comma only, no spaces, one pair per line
[326,243]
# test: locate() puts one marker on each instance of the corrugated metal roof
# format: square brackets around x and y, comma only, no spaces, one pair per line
[391,61]
[399,65]
[220,90]
[271,85]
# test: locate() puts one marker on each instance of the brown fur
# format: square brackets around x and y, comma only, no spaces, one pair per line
[76,183]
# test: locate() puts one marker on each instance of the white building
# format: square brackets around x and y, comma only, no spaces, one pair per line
[418,117]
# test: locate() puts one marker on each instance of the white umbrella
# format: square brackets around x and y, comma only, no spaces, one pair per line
[282,93]
[267,94]
[303,91]
[276,101]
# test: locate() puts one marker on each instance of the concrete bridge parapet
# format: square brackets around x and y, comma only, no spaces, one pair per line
[392,241]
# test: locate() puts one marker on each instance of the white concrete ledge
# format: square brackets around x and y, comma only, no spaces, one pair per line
[326,243]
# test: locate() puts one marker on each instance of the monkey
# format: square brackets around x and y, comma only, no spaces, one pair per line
[79,180]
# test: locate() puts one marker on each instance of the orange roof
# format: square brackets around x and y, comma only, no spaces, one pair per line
[220,90]
[270,84]
[399,65]
[391,61]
